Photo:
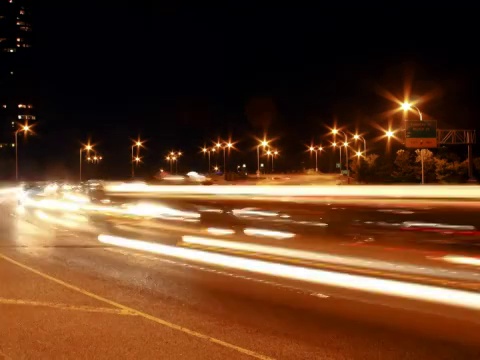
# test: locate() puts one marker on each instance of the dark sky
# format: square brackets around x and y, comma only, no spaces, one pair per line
[180,76]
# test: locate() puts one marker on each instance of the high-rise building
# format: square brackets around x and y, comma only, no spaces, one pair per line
[16,73]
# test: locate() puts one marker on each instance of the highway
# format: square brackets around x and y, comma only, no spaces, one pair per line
[239,278]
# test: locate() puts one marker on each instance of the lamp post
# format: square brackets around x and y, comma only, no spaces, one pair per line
[407,106]
[228,146]
[359,154]
[86,148]
[177,157]
[275,153]
[25,129]
[137,144]
[334,145]
[313,148]
[269,152]
[205,151]
[169,159]
[335,131]
[263,143]
[359,137]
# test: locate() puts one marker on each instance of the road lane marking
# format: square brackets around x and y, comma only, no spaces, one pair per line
[4,301]
[138,312]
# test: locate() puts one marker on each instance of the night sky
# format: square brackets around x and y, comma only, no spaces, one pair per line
[181,76]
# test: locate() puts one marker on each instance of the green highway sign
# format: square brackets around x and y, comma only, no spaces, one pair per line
[421,134]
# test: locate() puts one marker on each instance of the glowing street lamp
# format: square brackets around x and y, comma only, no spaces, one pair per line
[359,137]
[25,129]
[207,151]
[138,144]
[264,144]
[170,160]
[313,148]
[274,153]
[406,106]
[335,132]
[87,148]
[389,133]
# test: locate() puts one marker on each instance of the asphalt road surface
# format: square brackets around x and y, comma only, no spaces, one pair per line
[65,294]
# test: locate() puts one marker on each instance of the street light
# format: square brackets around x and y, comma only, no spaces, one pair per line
[263,143]
[169,159]
[334,145]
[359,137]
[25,129]
[205,151]
[406,106]
[313,148]
[138,145]
[86,148]
[268,154]
[275,153]
[389,133]
[335,132]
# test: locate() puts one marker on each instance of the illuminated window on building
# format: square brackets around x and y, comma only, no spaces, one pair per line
[22,12]
[20,22]
[4,106]
[30,106]
[25,28]
[9,50]
[22,106]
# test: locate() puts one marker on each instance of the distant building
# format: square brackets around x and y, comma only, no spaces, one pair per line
[16,77]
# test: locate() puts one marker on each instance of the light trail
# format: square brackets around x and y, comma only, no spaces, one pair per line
[353,282]
[375,191]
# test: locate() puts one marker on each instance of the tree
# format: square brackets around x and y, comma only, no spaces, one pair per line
[365,169]
[476,164]
[405,169]
[451,171]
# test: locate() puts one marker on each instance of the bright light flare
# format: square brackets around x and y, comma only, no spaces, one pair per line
[429,293]
[268,233]
[158,211]
[463,260]
[365,191]
[406,106]
[220,231]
